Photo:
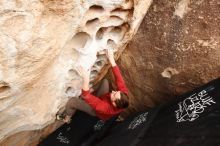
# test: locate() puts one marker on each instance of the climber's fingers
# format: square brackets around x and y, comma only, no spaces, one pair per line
[83,72]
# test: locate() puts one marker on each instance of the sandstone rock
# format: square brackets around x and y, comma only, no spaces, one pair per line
[176,49]
[42,41]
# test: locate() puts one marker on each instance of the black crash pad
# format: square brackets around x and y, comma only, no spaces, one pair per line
[192,119]
[81,127]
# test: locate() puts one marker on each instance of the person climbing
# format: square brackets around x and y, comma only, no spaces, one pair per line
[101,103]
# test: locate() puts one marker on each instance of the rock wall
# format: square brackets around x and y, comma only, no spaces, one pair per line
[41,43]
[176,49]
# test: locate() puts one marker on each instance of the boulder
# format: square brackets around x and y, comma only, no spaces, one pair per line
[176,49]
[43,41]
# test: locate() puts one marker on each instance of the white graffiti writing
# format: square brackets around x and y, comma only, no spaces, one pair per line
[99,125]
[193,106]
[63,139]
[138,120]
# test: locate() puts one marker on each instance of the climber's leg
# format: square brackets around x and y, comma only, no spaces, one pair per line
[101,88]
[78,104]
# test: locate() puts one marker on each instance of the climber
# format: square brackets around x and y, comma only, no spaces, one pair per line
[103,103]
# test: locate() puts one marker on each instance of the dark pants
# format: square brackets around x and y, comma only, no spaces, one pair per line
[79,104]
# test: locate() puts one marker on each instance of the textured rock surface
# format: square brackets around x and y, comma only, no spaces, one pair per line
[41,43]
[176,49]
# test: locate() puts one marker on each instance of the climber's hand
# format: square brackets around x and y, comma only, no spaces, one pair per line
[110,55]
[85,74]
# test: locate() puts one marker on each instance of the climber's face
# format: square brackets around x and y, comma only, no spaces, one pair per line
[115,95]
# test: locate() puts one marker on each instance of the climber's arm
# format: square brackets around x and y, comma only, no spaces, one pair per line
[110,56]
[85,74]
[118,77]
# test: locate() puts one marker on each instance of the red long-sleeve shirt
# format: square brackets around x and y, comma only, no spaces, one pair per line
[102,105]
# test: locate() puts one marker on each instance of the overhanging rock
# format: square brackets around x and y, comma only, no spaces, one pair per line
[42,41]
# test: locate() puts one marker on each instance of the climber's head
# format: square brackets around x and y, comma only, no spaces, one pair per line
[119,99]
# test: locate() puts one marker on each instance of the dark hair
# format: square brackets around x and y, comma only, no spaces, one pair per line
[123,102]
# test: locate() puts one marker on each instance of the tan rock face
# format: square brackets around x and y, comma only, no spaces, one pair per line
[176,49]
[41,43]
